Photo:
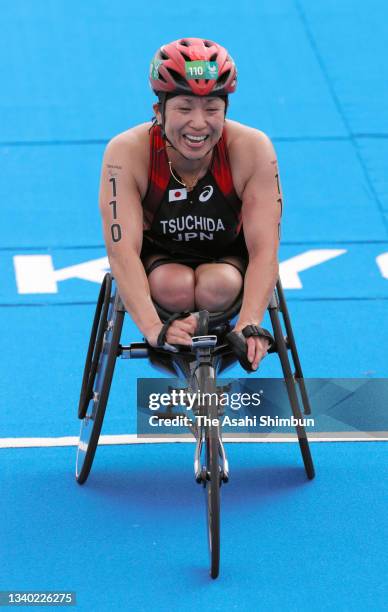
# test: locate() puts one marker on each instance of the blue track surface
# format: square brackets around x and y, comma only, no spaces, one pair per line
[313,76]
[134,536]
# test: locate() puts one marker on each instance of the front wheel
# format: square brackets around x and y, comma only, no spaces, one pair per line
[212,490]
[205,383]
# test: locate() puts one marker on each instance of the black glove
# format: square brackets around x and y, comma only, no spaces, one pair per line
[163,332]
[237,341]
[202,328]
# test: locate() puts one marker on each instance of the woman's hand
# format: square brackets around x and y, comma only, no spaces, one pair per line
[179,332]
[257,348]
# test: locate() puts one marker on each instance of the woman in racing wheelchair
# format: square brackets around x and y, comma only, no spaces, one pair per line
[191,205]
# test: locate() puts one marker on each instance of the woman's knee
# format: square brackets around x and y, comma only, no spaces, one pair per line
[172,286]
[217,286]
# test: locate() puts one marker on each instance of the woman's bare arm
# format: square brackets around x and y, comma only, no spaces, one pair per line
[122,217]
[261,212]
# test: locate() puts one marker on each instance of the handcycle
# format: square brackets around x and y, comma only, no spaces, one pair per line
[198,367]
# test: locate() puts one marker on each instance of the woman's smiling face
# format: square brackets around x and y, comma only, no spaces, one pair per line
[194,124]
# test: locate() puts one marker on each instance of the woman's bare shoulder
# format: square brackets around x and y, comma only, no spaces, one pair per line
[247,147]
[237,133]
[135,138]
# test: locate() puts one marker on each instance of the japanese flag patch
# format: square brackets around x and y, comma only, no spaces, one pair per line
[174,195]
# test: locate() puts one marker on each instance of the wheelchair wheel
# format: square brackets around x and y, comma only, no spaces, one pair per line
[95,344]
[212,489]
[206,384]
[105,362]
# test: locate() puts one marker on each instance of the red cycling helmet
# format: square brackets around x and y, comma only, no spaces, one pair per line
[193,66]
